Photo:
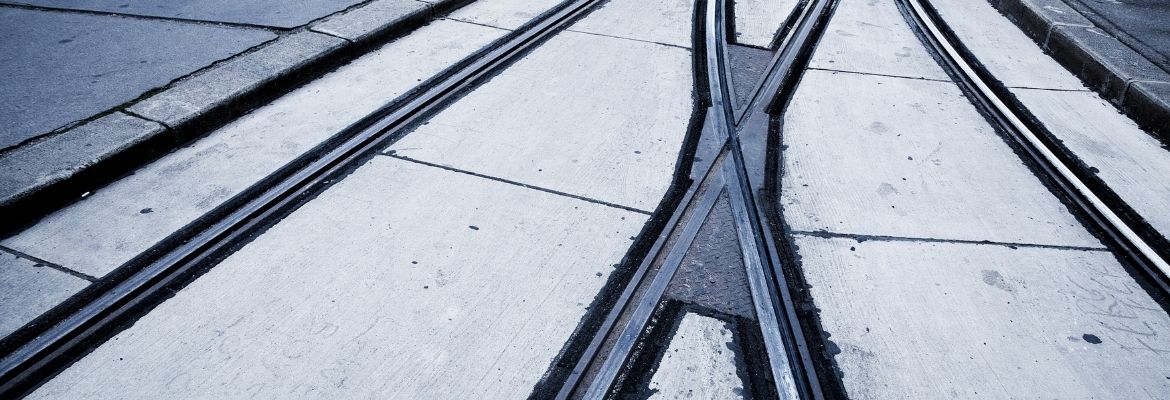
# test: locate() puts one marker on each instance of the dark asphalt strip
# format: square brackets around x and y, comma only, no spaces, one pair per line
[166,269]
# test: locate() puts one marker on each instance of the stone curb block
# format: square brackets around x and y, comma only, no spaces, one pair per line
[219,87]
[1038,18]
[47,162]
[1151,98]
[34,175]
[1110,67]
[372,20]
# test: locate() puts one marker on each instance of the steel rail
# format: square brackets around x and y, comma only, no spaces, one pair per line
[607,372]
[25,367]
[628,337]
[1105,217]
[793,372]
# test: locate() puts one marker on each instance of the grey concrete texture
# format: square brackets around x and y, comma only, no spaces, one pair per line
[220,91]
[699,362]
[757,22]
[917,320]
[46,162]
[1008,53]
[609,140]
[619,18]
[271,13]
[29,288]
[1097,57]
[399,295]
[910,158]
[60,68]
[101,232]
[872,37]
[1131,162]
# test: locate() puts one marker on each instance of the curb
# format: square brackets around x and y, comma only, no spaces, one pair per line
[1117,72]
[60,168]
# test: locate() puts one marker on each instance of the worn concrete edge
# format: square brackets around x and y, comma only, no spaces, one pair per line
[76,162]
[1117,72]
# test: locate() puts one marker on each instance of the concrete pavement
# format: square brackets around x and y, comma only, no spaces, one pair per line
[475,255]
[105,230]
[1126,158]
[96,88]
[940,265]
[758,22]
[1118,48]
[500,265]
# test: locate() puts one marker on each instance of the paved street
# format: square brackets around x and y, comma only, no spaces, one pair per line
[574,199]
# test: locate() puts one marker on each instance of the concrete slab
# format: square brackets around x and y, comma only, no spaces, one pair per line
[699,362]
[872,37]
[274,13]
[631,19]
[60,68]
[504,14]
[1010,55]
[39,164]
[1133,163]
[588,115]
[398,295]
[372,19]
[887,156]
[100,233]
[28,288]
[1129,160]
[942,320]
[758,21]
[1100,53]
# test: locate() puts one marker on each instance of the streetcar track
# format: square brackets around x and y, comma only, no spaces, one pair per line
[1101,210]
[788,363]
[797,361]
[44,347]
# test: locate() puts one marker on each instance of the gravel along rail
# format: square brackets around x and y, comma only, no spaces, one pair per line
[45,352]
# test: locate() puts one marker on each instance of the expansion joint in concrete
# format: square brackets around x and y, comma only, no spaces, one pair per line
[626,38]
[42,263]
[917,78]
[511,182]
[864,238]
[475,23]
[127,111]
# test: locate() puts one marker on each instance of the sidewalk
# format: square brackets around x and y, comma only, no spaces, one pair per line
[1118,49]
[95,88]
